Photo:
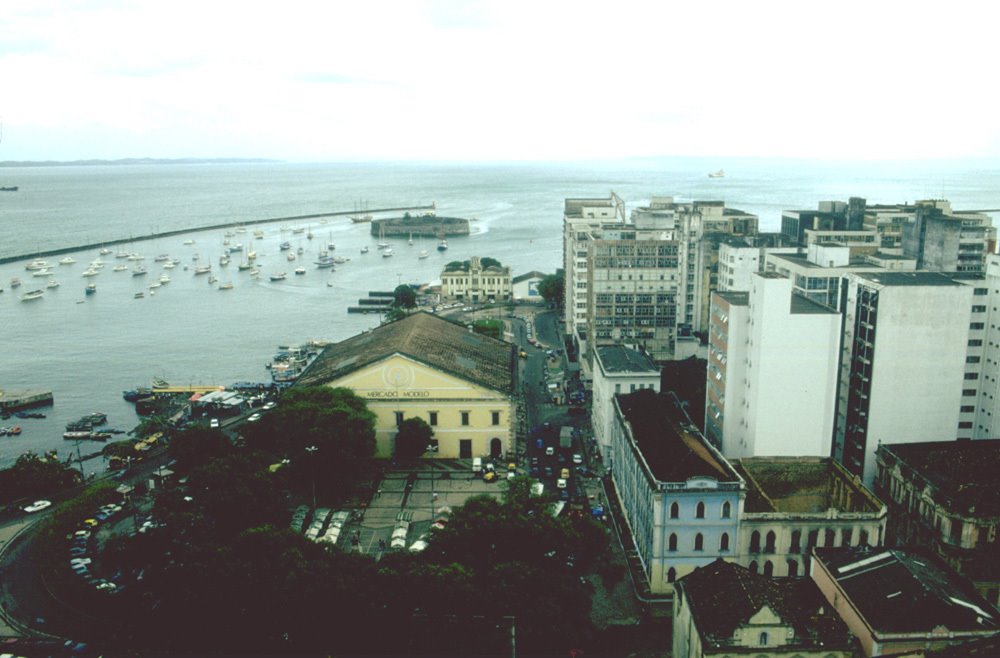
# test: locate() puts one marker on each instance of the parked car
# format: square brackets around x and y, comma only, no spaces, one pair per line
[577,458]
[561,483]
[37,506]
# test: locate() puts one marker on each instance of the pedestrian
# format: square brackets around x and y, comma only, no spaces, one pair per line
[381,544]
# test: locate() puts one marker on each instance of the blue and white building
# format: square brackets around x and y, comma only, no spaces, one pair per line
[680,498]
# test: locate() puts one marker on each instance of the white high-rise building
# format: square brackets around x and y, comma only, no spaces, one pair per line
[903,375]
[772,372]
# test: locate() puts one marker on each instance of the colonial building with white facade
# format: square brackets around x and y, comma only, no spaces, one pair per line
[473,282]
[680,498]
[462,384]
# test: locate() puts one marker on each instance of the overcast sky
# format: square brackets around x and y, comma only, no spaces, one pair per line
[504,80]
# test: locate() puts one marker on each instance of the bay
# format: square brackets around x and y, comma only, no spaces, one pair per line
[88,349]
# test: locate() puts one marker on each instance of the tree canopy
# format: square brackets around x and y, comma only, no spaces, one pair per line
[336,427]
[412,439]
[33,476]
[404,297]
[551,288]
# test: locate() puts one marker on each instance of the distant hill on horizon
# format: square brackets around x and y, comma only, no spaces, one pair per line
[132,161]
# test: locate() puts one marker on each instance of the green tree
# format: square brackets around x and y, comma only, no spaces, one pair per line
[197,445]
[487,261]
[551,288]
[412,439]
[404,297]
[33,476]
[456,265]
[337,427]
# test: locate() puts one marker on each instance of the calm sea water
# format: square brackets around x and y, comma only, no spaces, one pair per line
[88,349]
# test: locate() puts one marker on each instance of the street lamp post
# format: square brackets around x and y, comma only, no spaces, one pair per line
[312,460]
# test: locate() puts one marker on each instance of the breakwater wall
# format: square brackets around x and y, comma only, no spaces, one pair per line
[199,229]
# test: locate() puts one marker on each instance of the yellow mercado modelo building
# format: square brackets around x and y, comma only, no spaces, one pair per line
[461,383]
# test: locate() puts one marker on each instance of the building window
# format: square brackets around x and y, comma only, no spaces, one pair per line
[796,546]
[432,418]
[830,538]
[672,542]
[675,511]
[699,542]
[399,418]
[970,376]
[768,568]
[793,568]
[465,417]
[727,510]
[846,535]
[978,309]
[699,512]
[762,640]
[965,425]
[755,542]
[671,575]
[753,566]
[724,542]
[769,542]
[977,326]
[496,417]
[975,342]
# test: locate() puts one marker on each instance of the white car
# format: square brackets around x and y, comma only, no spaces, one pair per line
[214,423]
[37,506]
[561,483]
[577,458]
[269,406]
[254,417]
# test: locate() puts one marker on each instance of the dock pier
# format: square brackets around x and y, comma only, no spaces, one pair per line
[199,229]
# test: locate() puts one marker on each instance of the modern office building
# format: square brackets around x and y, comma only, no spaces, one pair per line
[772,372]
[903,373]
[462,383]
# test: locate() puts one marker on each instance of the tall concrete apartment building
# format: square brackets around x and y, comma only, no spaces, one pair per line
[772,371]
[644,282]
[903,363]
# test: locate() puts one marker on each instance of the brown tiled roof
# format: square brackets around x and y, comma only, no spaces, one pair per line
[426,338]
[724,596]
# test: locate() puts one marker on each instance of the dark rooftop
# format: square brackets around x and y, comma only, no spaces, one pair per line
[899,591]
[534,274]
[909,278]
[724,597]
[674,453]
[806,306]
[423,337]
[963,472]
[617,358]
[735,298]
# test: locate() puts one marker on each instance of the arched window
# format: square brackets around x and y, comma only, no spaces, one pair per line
[863,538]
[846,535]
[675,511]
[793,568]
[671,575]
[724,542]
[796,545]
[829,538]
[699,542]
[762,640]
[699,512]
[753,566]
[727,510]
[768,568]
[769,542]
[672,542]
[755,542]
